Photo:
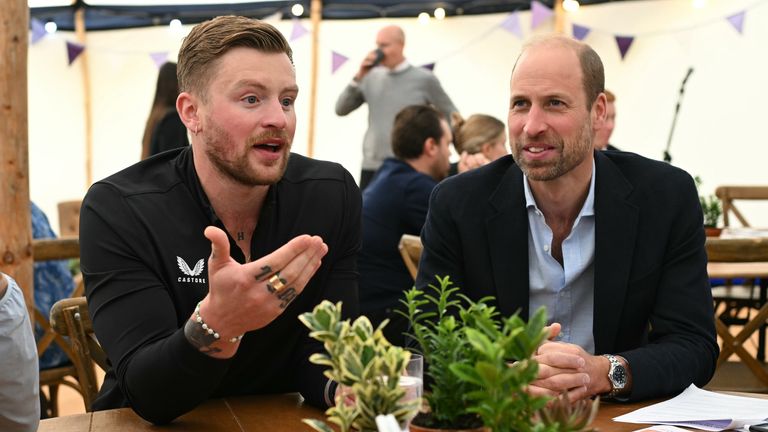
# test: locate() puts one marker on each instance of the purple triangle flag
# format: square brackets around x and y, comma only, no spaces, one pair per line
[429,66]
[737,21]
[337,60]
[580,32]
[539,13]
[512,24]
[38,30]
[624,42]
[73,51]
[298,30]
[159,58]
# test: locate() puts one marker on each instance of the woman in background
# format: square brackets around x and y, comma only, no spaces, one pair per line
[478,140]
[164,129]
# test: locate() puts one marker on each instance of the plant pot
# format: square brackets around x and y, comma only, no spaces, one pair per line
[418,428]
[712,231]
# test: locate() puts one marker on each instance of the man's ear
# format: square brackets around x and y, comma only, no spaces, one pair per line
[430,147]
[599,111]
[186,106]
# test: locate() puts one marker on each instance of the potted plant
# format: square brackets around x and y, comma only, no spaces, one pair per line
[363,361]
[712,209]
[480,364]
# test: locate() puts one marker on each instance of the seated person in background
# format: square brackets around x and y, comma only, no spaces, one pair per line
[478,140]
[395,203]
[19,376]
[282,232]
[53,282]
[603,135]
[164,129]
[610,242]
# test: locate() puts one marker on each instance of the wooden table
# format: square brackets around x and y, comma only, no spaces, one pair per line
[280,413]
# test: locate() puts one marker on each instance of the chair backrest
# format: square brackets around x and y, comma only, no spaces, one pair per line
[70,317]
[69,218]
[410,249]
[737,249]
[727,194]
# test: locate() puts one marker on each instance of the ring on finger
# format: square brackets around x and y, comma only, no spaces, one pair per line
[276,283]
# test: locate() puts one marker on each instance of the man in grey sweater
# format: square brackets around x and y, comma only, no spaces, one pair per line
[388,89]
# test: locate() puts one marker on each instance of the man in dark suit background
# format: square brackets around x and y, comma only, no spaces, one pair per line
[611,243]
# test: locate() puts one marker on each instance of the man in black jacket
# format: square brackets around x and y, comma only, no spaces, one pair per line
[610,243]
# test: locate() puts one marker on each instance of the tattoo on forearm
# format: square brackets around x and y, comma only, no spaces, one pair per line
[199,338]
[286,296]
[264,271]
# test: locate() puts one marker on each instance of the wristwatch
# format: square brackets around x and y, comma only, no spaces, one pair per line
[617,375]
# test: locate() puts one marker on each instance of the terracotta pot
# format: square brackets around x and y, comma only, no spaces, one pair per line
[417,428]
[712,231]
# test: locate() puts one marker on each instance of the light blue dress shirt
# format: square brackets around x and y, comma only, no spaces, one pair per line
[567,291]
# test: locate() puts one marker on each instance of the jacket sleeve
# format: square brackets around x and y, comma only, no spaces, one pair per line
[349,100]
[682,346]
[159,373]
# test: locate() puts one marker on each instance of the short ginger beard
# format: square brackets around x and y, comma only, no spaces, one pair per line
[572,155]
[238,169]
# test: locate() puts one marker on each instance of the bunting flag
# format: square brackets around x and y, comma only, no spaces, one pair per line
[512,24]
[73,51]
[337,60]
[624,42]
[159,58]
[737,21]
[38,30]
[580,32]
[429,66]
[539,13]
[298,30]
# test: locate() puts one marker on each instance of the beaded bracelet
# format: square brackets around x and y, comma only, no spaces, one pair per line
[209,330]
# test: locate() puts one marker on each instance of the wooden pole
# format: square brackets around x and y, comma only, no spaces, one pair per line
[86,74]
[316,15]
[559,17]
[15,224]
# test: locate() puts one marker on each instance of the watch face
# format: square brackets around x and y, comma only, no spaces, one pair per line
[619,376]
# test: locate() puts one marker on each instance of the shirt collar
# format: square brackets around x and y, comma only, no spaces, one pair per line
[401,67]
[588,209]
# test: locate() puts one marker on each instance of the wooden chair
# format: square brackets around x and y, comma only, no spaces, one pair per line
[44,250]
[727,194]
[410,249]
[741,258]
[70,318]
[69,218]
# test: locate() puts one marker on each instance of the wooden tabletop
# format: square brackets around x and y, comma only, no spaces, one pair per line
[281,413]
[735,270]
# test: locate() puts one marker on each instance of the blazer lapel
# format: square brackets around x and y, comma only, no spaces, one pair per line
[507,233]
[616,220]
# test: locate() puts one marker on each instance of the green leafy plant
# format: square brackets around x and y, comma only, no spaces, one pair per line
[711,207]
[361,359]
[566,416]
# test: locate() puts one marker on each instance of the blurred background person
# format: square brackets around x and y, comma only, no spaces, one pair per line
[387,89]
[478,140]
[395,203]
[164,129]
[603,134]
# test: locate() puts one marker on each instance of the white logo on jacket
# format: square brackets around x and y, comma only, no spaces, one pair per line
[192,272]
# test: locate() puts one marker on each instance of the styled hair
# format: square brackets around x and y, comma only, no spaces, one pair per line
[472,134]
[413,126]
[592,72]
[166,92]
[609,96]
[208,41]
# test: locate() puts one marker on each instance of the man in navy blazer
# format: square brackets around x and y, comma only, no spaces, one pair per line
[612,244]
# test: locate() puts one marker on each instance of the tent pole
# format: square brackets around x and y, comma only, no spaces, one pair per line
[559,17]
[15,224]
[316,14]
[80,33]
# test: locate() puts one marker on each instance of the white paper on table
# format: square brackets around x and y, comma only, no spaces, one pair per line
[701,409]
[662,428]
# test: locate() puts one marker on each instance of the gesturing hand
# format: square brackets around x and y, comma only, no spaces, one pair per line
[244,297]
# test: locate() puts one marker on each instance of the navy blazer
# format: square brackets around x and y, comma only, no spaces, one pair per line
[653,303]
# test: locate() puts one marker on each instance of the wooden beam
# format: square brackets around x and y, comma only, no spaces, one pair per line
[15,225]
[559,17]
[86,74]
[45,249]
[316,15]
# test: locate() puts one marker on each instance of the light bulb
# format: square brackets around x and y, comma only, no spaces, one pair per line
[297,10]
[570,5]
[51,27]
[439,13]
[175,25]
[423,18]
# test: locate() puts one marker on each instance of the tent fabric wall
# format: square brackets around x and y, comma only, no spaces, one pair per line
[718,134]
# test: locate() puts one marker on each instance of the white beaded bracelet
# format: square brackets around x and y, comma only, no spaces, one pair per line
[209,330]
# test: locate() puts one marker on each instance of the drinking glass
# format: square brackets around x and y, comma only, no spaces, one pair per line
[412,380]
